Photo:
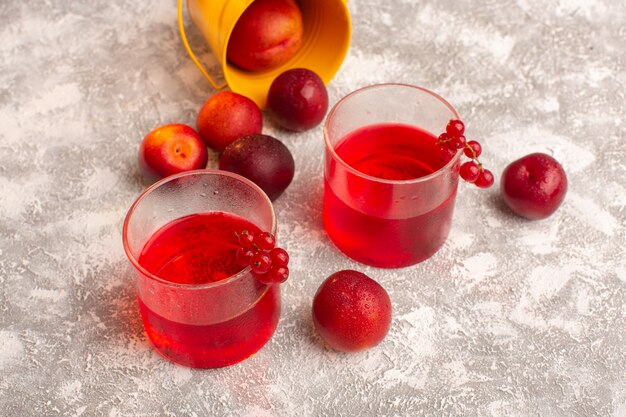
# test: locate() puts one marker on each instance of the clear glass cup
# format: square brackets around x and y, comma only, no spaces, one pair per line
[202,325]
[384,222]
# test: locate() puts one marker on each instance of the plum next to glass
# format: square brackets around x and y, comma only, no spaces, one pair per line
[170,149]
[351,311]
[534,186]
[297,99]
[262,159]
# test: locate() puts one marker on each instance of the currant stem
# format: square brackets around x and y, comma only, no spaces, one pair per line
[474,156]
[451,140]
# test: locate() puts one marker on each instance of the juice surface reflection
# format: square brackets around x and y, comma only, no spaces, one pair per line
[200,249]
[363,223]
[391,151]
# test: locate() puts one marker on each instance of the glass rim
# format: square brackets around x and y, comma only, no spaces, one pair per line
[354,171]
[233,278]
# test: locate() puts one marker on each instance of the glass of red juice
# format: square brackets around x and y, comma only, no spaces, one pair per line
[389,189]
[199,307]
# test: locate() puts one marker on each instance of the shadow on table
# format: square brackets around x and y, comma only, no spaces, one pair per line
[308,192]
[116,308]
[305,322]
[496,201]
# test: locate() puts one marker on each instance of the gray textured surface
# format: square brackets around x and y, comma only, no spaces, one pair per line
[510,318]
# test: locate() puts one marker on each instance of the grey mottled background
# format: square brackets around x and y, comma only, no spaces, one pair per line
[510,318]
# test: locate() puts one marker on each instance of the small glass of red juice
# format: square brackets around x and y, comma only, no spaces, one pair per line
[389,189]
[199,307]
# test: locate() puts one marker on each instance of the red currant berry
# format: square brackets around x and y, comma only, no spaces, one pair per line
[485,179]
[447,153]
[473,149]
[443,139]
[265,241]
[279,256]
[458,142]
[276,275]
[260,262]
[246,239]
[469,171]
[243,256]
[455,128]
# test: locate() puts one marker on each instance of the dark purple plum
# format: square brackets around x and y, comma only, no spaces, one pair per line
[262,159]
[297,99]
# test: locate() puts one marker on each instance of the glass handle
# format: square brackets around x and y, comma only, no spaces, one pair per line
[181,28]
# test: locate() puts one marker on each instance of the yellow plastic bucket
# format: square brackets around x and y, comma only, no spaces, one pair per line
[327,32]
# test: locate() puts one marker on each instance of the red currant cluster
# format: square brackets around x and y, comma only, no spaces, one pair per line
[267,262]
[471,171]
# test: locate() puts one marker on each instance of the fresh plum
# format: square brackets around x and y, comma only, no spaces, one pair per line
[262,159]
[170,149]
[351,311]
[534,186]
[268,34]
[227,116]
[297,99]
